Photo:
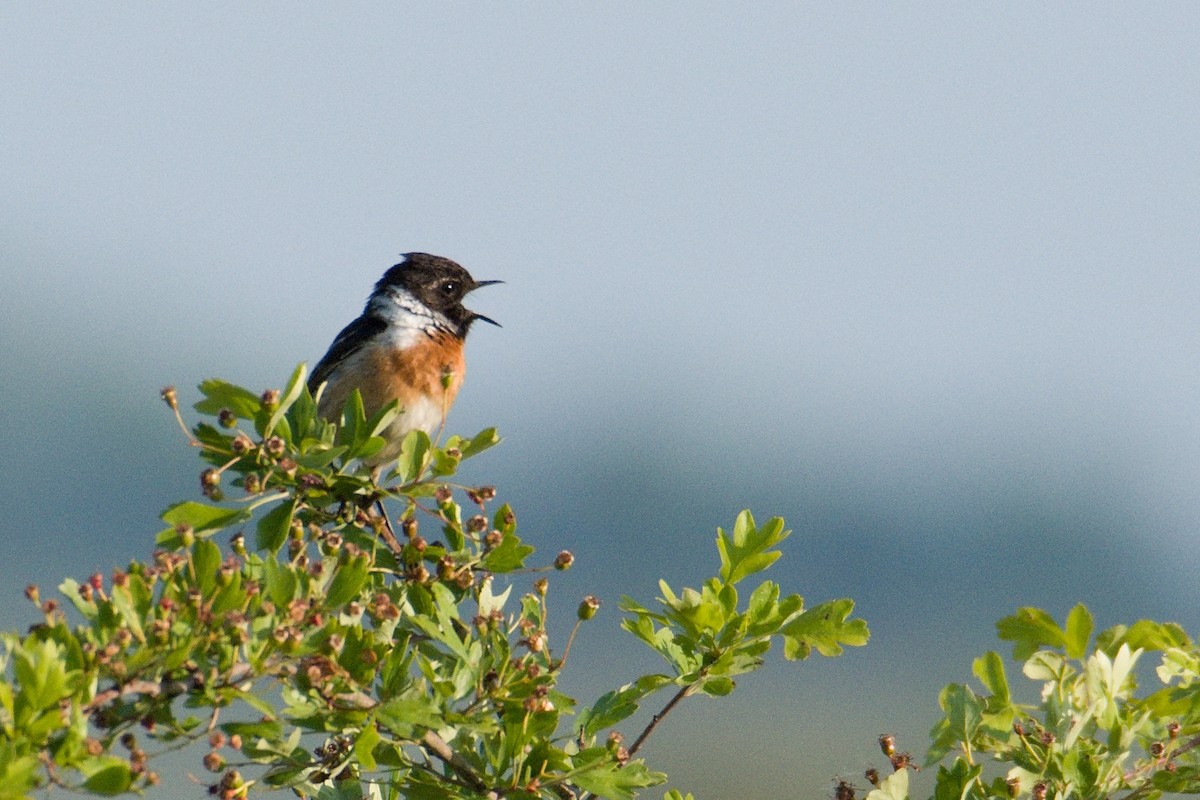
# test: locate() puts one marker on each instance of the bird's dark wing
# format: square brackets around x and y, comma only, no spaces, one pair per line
[352,337]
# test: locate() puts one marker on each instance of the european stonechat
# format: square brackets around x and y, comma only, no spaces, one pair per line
[407,346]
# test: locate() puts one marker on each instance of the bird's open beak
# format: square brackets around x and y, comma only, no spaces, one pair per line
[475,316]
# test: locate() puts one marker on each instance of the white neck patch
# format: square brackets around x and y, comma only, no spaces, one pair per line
[406,316]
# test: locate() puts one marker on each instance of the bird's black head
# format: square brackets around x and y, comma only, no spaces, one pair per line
[440,284]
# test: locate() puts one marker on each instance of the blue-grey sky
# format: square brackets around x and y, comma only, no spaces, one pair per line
[921,278]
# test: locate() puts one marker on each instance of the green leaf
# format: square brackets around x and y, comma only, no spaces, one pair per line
[1078,632]
[70,589]
[414,453]
[746,551]
[607,779]
[204,519]
[717,687]
[964,711]
[364,746]
[123,602]
[404,716]
[485,439]
[893,787]
[989,668]
[206,560]
[106,775]
[281,582]
[347,581]
[290,394]
[507,556]
[955,783]
[1030,629]
[619,704]
[1144,634]
[826,628]
[219,394]
[273,527]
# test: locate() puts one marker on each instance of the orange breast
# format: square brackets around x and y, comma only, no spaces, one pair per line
[409,376]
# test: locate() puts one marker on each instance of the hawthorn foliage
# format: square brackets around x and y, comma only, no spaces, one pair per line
[313,641]
[343,651]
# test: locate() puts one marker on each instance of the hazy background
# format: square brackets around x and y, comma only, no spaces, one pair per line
[920,278]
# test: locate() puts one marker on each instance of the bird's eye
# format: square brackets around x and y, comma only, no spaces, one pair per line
[450,288]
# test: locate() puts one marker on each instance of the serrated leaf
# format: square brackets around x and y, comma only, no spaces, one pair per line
[955,783]
[1078,631]
[70,589]
[122,600]
[717,687]
[206,560]
[507,556]
[202,517]
[414,454]
[403,716]
[273,527]
[893,787]
[219,394]
[747,549]
[106,775]
[349,578]
[364,746]
[964,711]
[619,704]
[289,395]
[989,668]
[485,439]
[281,582]
[825,628]
[615,782]
[1030,629]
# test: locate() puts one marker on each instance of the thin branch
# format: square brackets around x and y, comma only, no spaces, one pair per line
[437,745]
[570,640]
[674,701]
[654,723]
[386,532]
[171,688]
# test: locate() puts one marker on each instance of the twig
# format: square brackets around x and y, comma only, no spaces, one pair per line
[386,532]
[437,745]
[570,641]
[654,722]
[172,688]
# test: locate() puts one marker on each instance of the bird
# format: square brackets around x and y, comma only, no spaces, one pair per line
[406,346]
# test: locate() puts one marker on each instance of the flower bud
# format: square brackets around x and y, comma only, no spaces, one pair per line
[169,397]
[226,418]
[564,560]
[588,608]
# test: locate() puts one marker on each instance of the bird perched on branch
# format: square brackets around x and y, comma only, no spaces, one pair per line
[406,346]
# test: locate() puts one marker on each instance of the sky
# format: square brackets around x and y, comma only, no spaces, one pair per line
[921,278]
